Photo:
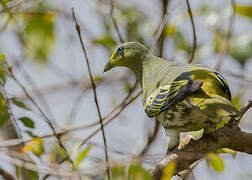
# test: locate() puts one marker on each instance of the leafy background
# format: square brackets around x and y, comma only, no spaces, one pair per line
[38,40]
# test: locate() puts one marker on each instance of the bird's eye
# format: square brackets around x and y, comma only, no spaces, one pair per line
[120,50]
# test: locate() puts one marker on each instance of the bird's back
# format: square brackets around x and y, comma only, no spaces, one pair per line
[209,107]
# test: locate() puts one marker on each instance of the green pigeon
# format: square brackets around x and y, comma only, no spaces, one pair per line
[182,97]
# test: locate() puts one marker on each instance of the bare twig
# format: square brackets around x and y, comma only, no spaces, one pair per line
[77,27]
[194,32]
[115,112]
[36,89]
[12,117]
[114,22]
[243,111]
[47,120]
[159,33]
[225,46]
[6,175]
[120,109]
[42,169]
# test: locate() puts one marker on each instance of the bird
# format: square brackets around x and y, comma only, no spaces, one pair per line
[182,97]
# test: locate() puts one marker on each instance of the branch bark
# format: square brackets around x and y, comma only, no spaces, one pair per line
[225,137]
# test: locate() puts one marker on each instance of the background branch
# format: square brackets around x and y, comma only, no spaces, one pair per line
[194,32]
[77,27]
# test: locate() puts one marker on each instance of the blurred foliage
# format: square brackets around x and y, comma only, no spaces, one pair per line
[241,48]
[38,35]
[168,171]
[32,175]
[3,67]
[236,101]
[215,161]
[35,145]
[132,19]
[4,114]
[244,10]
[82,155]
[137,172]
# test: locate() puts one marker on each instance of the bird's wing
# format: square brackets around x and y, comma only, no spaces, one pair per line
[224,85]
[164,96]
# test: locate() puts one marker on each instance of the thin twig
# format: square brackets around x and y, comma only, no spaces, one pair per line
[5,175]
[225,46]
[159,33]
[42,169]
[118,110]
[77,27]
[194,32]
[114,22]
[122,107]
[12,117]
[47,120]
[36,89]
[48,175]
[243,111]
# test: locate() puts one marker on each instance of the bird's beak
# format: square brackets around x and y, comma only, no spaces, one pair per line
[107,67]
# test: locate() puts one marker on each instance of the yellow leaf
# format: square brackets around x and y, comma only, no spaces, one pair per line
[215,161]
[244,10]
[169,30]
[35,146]
[228,151]
[169,171]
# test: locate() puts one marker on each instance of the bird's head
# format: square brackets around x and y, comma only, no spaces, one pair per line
[127,54]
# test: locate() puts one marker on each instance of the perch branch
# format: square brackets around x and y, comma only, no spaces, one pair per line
[226,137]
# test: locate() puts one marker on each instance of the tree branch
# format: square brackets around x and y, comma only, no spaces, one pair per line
[77,27]
[225,137]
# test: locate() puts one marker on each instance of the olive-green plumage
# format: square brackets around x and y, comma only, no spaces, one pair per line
[183,97]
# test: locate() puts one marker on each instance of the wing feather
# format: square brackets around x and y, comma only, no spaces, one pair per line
[162,98]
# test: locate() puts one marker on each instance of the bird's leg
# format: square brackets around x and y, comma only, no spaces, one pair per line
[173,139]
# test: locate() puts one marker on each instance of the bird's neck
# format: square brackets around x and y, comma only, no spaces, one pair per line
[146,67]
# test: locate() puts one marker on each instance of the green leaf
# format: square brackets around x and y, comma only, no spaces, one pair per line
[118,172]
[30,133]
[27,122]
[137,172]
[169,170]
[215,162]
[170,30]
[241,48]
[82,155]
[33,175]
[35,145]
[244,10]
[19,103]
[227,151]
[38,35]
[106,41]
[3,67]
[236,101]
[4,113]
